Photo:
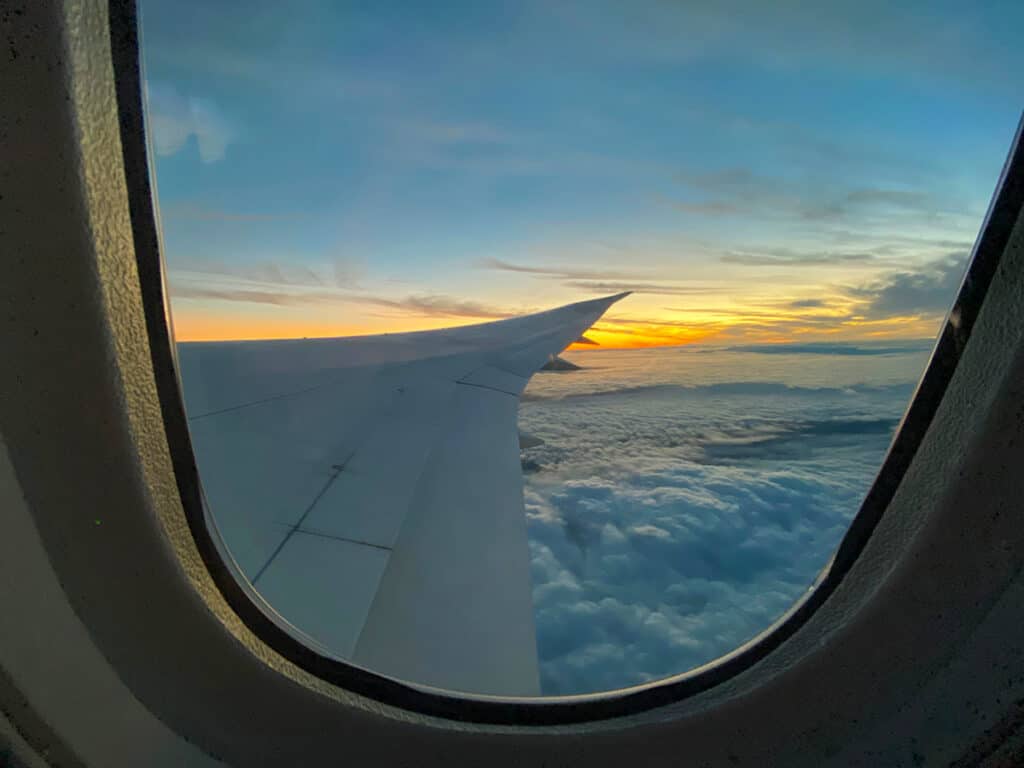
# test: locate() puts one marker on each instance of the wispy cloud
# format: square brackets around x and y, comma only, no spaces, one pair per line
[662,289]
[741,192]
[416,305]
[281,298]
[341,271]
[727,313]
[174,119]
[601,281]
[898,198]
[562,272]
[785,257]
[267,273]
[843,350]
[434,305]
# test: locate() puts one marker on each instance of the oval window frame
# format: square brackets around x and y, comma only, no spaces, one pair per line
[291,644]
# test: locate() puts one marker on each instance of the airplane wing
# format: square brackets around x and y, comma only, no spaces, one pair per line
[370,488]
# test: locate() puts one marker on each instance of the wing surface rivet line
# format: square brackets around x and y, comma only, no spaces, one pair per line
[337,469]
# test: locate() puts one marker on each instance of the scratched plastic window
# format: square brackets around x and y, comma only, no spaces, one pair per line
[550,348]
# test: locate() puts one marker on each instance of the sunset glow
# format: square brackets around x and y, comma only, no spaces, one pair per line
[362,170]
[620,329]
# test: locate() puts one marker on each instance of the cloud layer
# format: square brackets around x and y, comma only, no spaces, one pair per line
[669,523]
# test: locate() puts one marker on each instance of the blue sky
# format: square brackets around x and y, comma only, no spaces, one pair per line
[330,168]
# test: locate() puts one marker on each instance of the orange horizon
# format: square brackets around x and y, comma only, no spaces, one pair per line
[767,319]
[626,335]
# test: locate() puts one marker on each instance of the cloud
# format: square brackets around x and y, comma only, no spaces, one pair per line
[664,289]
[927,291]
[433,305]
[420,305]
[897,198]
[280,298]
[561,272]
[825,348]
[784,257]
[348,272]
[888,242]
[599,281]
[174,119]
[268,273]
[670,524]
[737,312]
[741,192]
[808,304]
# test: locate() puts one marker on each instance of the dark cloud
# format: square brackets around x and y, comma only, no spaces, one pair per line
[927,291]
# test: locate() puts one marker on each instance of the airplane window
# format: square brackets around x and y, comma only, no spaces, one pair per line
[546,349]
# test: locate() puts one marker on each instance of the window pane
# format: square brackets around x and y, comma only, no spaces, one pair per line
[767,213]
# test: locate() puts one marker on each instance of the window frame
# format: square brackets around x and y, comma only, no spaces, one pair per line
[956,330]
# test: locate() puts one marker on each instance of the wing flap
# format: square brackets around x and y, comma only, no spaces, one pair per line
[454,608]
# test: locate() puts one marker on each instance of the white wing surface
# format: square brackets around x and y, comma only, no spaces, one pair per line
[371,489]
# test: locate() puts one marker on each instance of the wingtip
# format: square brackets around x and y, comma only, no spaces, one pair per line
[601,302]
[609,300]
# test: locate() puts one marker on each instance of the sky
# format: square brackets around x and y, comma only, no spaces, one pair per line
[753,172]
